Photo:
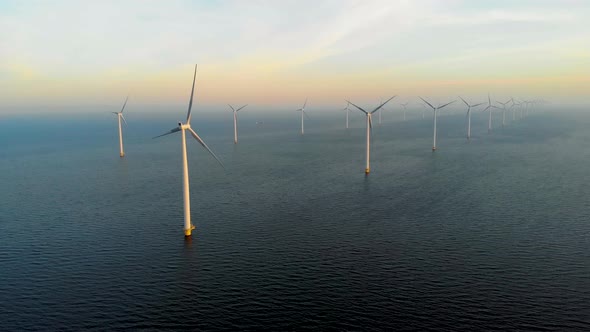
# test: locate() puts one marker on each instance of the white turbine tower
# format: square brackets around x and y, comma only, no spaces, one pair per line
[119,117]
[469,116]
[302,110]
[369,130]
[235,111]
[347,111]
[435,109]
[183,127]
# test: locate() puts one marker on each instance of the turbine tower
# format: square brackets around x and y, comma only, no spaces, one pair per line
[435,109]
[469,116]
[369,130]
[302,110]
[183,127]
[236,121]
[119,117]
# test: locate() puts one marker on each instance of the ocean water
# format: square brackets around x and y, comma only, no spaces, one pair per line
[493,234]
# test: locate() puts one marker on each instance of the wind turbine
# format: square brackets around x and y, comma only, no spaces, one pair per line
[369,130]
[302,110]
[404,105]
[235,121]
[347,111]
[119,117]
[183,127]
[504,111]
[490,106]
[469,116]
[435,116]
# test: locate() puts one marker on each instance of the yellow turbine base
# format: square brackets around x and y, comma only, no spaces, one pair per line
[188,232]
[122,154]
[434,148]
[367,170]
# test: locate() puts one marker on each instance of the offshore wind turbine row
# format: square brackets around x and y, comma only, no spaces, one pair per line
[186,126]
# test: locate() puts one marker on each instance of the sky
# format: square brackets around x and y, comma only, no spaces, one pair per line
[274,54]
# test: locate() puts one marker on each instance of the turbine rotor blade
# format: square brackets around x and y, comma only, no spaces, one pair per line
[375,110]
[477,105]
[304,104]
[307,116]
[190,102]
[360,109]
[205,146]
[231,107]
[125,103]
[172,131]
[241,107]
[447,104]
[465,102]
[429,104]
[122,117]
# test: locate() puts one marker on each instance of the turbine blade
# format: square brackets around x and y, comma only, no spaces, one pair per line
[241,107]
[429,104]
[125,103]
[304,104]
[231,107]
[190,102]
[489,100]
[307,116]
[122,117]
[205,146]
[360,109]
[172,131]
[447,104]
[375,110]
[464,101]
[477,105]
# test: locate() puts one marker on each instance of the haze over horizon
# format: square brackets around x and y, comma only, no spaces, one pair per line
[64,53]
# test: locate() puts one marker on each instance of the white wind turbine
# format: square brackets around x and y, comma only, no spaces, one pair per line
[302,110]
[119,117]
[469,116]
[235,121]
[347,111]
[504,110]
[183,127]
[369,130]
[404,105]
[435,109]
[490,106]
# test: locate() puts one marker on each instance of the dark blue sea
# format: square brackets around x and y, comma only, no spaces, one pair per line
[491,234]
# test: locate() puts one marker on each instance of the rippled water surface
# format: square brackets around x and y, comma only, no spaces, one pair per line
[488,235]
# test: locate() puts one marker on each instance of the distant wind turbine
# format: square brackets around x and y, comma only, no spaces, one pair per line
[182,127]
[302,110]
[469,116]
[119,117]
[435,109]
[504,111]
[490,106]
[235,121]
[369,130]
[404,105]
[347,111]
